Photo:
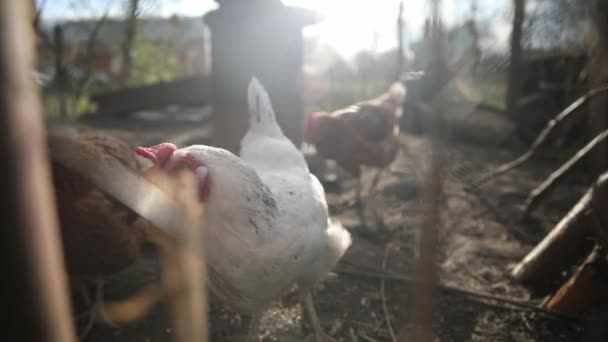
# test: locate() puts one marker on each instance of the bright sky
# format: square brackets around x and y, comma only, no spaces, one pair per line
[349,25]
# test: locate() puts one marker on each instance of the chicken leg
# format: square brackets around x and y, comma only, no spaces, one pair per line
[375,181]
[359,205]
[311,316]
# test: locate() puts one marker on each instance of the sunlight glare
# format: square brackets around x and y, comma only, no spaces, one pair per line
[350,26]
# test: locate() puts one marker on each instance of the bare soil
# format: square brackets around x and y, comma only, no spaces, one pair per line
[481,239]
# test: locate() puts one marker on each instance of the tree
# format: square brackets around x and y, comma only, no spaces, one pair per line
[516,56]
[126,64]
[557,24]
[599,75]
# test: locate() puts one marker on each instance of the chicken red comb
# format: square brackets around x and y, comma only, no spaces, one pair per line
[158,154]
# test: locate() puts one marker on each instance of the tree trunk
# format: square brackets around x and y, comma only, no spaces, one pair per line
[516,57]
[599,75]
[127,46]
[61,74]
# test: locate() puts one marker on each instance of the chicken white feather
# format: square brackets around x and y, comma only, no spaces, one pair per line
[267,226]
[304,235]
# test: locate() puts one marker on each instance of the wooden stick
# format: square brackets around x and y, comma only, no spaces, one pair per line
[426,268]
[35,272]
[563,245]
[541,192]
[542,138]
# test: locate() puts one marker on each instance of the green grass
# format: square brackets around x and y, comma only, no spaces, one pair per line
[75,108]
[494,93]
[344,93]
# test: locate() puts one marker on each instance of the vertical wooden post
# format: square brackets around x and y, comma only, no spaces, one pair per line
[34,270]
[426,265]
[261,38]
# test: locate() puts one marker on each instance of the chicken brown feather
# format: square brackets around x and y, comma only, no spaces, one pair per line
[100,235]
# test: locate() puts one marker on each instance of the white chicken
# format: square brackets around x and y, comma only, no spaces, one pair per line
[267,226]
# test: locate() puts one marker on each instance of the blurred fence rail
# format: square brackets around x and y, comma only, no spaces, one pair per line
[187,91]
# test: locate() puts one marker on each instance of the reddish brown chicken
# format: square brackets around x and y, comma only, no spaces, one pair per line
[361,134]
[108,208]
[101,194]
[100,235]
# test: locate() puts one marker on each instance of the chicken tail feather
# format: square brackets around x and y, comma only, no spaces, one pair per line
[397,93]
[261,113]
[339,240]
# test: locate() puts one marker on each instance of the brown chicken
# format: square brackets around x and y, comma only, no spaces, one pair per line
[100,235]
[362,134]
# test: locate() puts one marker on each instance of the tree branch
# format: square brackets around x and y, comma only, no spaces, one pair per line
[539,193]
[542,138]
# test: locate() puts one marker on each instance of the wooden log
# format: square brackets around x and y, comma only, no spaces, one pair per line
[586,288]
[565,244]
[539,193]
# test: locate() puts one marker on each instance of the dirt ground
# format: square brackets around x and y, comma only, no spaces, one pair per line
[481,240]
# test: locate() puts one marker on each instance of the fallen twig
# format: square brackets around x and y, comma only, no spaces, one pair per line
[558,121]
[539,193]
[471,189]
[501,302]
[383,295]
[367,338]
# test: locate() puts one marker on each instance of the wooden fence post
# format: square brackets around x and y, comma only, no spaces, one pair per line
[34,270]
